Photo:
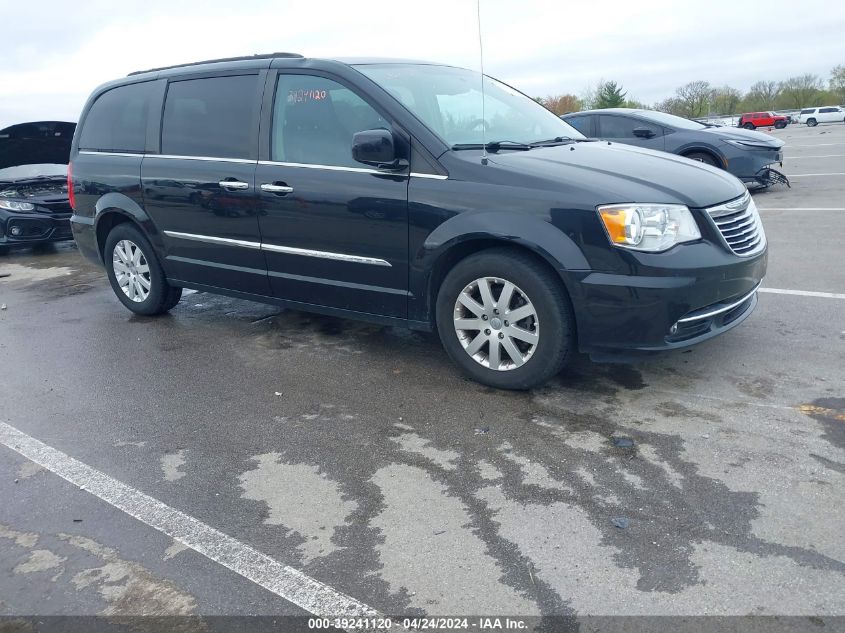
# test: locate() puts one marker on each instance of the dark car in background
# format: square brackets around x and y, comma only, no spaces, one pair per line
[34,204]
[746,154]
[378,190]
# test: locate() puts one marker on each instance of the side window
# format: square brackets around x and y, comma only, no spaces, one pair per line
[623,127]
[314,119]
[213,117]
[117,121]
[581,123]
[808,111]
[827,110]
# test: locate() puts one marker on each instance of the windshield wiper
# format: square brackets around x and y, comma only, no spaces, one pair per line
[494,146]
[557,140]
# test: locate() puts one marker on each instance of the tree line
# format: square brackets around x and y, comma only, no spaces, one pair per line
[700,98]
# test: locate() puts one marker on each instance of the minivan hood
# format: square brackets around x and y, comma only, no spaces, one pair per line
[740,134]
[39,142]
[614,172]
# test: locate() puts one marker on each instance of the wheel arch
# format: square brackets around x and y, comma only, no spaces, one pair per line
[448,245]
[700,149]
[113,209]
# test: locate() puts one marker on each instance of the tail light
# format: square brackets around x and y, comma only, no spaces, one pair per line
[70,195]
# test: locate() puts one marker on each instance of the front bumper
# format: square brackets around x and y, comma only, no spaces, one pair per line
[33,228]
[746,164]
[669,308]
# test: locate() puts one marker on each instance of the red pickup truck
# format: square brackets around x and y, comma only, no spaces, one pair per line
[752,120]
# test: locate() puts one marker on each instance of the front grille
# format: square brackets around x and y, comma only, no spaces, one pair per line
[740,226]
[62,205]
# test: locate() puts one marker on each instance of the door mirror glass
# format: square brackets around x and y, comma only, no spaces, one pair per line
[643,132]
[376,148]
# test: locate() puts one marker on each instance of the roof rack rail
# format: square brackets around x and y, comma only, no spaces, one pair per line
[214,61]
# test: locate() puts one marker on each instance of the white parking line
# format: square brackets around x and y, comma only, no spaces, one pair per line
[803,293]
[815,156]
[801,208]
[816,145]
[284,581]
[836,173]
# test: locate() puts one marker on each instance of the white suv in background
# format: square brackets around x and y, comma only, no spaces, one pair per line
[814,116]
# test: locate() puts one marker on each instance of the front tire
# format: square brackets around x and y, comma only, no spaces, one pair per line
[703,157]
[780,125]
[750,126]
[505,320]
[135,273]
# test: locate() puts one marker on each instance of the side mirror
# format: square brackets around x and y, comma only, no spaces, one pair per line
[376,148]
[643,132]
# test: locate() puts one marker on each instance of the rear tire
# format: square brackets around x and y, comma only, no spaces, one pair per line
[703,157]
[135,273]
[812,122]
[750,126]
[527,352]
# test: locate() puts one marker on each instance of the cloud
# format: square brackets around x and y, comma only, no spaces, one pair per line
[54,52]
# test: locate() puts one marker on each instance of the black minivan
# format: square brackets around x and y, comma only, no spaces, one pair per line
[392,191]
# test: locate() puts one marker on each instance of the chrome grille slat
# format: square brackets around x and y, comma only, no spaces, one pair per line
[739,225]
[741,234]
[749,225]
[733,217]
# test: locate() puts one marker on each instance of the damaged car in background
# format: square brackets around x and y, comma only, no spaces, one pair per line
[34,204]
[747,154]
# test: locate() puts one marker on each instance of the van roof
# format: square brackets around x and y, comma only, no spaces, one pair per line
[222,59]
[351,61]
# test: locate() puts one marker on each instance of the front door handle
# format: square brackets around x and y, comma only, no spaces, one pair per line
[276,188]
[233,184]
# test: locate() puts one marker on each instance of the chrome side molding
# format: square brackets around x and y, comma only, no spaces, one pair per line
[275,248]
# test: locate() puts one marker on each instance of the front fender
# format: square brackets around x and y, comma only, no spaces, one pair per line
[466,232]
[517,228]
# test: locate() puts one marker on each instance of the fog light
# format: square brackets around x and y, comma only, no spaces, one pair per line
[15,230]
[673,329]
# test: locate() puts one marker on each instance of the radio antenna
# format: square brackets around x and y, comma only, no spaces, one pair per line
[481,63]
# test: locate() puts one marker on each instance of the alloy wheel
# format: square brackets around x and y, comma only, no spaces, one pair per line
[131,270]
[496,323]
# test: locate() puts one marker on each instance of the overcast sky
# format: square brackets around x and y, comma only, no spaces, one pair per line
[53,53]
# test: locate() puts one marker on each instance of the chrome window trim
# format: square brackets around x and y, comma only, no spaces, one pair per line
[171,156]
[211,239]
[99,153]
[363,170]
[220,159]
[306,252]
[432,176]
[723,309]
[274,248]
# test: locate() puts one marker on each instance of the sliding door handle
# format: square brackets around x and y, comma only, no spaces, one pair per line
[234,185]
[276,188]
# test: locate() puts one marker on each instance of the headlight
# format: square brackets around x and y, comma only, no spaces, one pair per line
[749,145]
[648,227]
[14,205]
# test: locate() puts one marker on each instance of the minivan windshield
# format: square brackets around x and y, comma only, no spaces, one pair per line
[448,100]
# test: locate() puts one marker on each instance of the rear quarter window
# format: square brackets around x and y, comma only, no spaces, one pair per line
[809,111]
[117,120]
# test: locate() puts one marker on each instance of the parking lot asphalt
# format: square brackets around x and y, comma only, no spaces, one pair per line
[706,481]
